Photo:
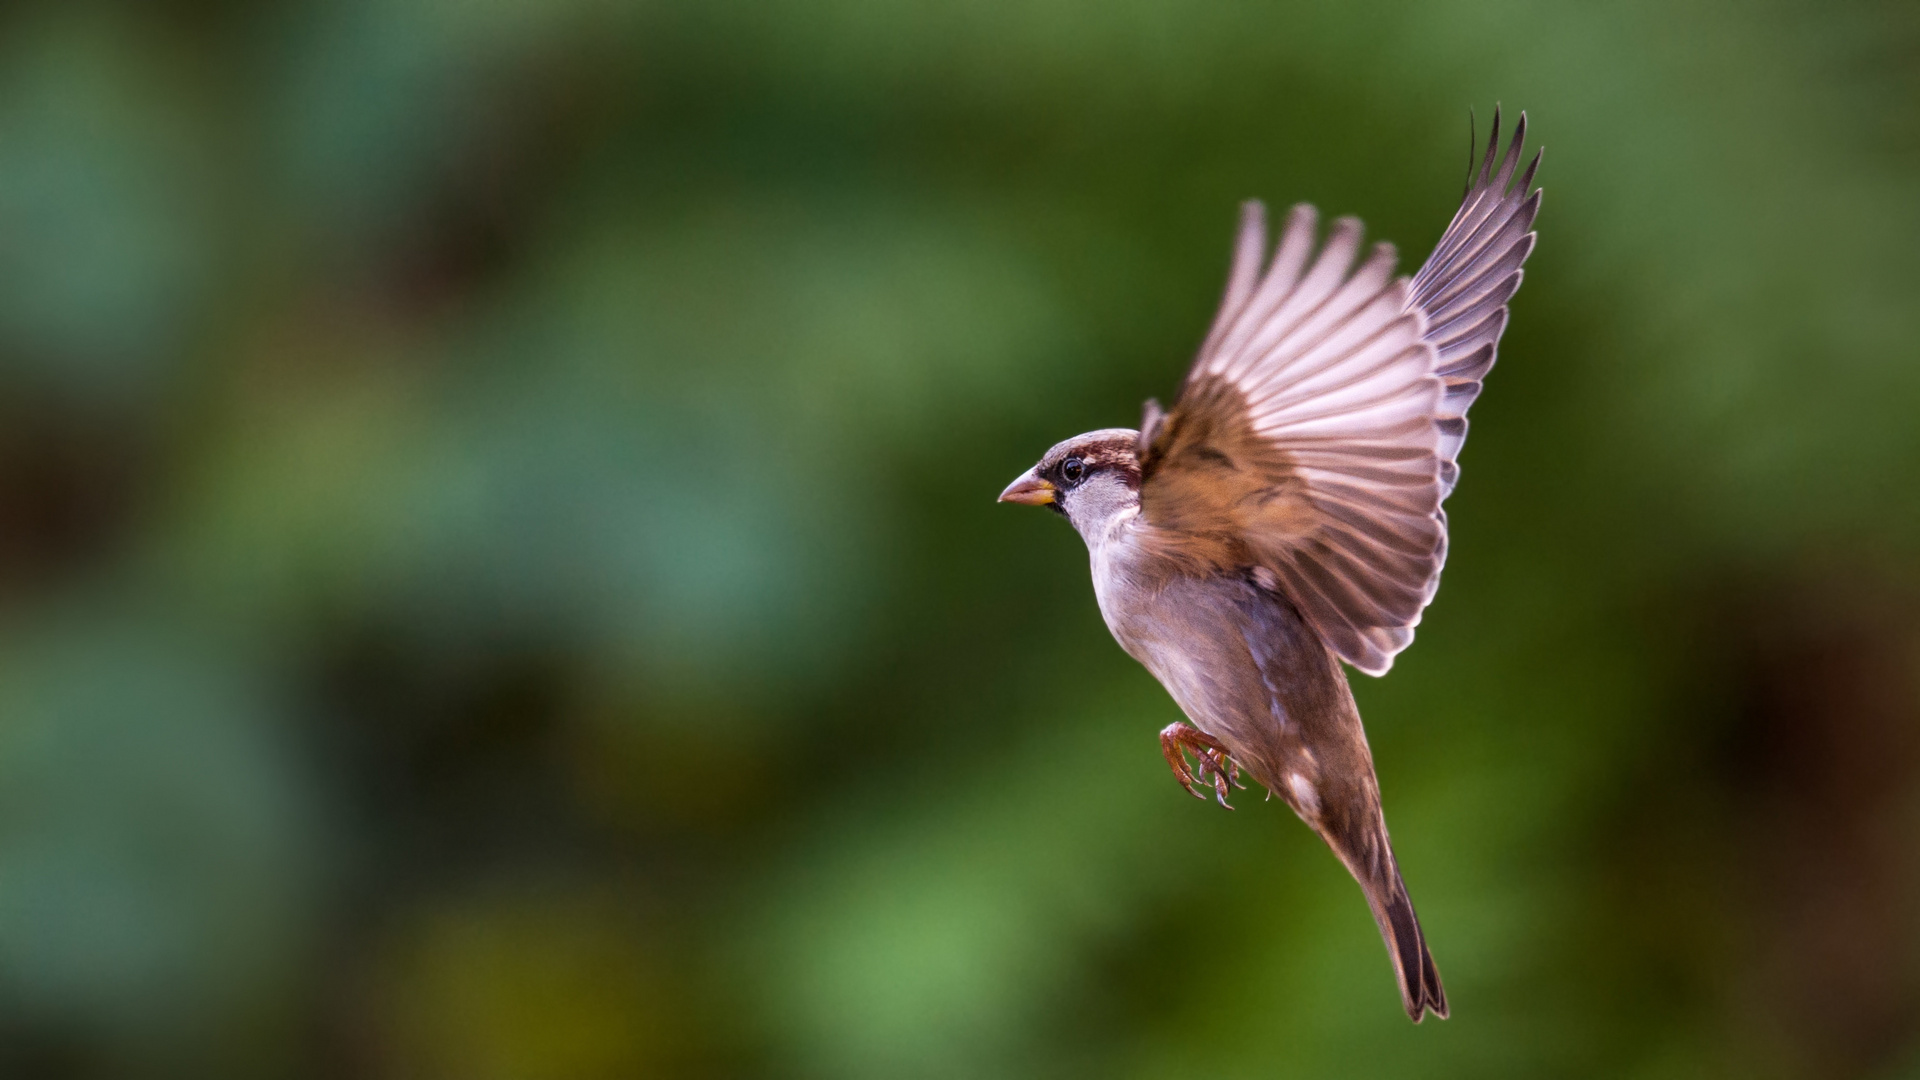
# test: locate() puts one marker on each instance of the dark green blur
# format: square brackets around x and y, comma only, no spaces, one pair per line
[499,574]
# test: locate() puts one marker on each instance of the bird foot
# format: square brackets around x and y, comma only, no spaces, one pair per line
[1212,766]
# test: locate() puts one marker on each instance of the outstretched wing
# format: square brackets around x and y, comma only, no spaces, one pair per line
[1317,432]
[1464,287]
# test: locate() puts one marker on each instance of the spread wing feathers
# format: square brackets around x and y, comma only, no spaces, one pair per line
[1464,287]
[1318,431]
[1304,440]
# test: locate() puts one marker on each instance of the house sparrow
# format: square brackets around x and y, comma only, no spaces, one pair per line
[1285,515]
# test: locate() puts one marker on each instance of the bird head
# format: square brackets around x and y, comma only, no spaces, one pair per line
[1089,479]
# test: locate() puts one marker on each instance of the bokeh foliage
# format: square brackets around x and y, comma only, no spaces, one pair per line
[499,575]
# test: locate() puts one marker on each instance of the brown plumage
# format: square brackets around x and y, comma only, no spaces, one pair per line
[1286,514]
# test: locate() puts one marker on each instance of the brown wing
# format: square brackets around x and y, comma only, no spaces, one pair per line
[1317,430]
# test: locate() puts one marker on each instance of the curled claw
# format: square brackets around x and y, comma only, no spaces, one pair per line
[1171,748]
[1218,767]
[1212,765]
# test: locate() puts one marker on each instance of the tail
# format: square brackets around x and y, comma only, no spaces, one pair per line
[1420,989]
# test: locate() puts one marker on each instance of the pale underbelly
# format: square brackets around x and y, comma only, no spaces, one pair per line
[1181,644]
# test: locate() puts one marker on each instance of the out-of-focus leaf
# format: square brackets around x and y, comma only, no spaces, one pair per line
[105,234]
[517,986]
[379,103]
[942,931]
[159,839]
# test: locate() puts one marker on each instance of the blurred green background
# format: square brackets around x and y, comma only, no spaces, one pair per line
[499,575]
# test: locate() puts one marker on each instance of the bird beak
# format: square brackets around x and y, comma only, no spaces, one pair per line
[1029,489]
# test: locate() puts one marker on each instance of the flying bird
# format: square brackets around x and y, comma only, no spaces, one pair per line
[1285,514]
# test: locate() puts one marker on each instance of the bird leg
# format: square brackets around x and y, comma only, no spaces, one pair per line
[1211,763]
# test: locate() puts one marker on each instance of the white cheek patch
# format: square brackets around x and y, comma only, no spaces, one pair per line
[1098,504]
[1303,794]
[1264,578]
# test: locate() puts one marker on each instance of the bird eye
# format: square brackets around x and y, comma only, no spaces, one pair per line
[1072,469]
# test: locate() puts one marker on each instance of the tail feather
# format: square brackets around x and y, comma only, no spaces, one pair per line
[1420,989]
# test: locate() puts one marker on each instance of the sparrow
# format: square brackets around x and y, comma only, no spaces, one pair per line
[1285,515]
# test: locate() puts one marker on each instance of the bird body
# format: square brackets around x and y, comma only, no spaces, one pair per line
[1248,671]
[1285,515]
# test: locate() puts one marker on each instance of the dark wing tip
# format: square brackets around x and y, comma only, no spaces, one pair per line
[1473,144]
[1493,147]
[1507,161]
